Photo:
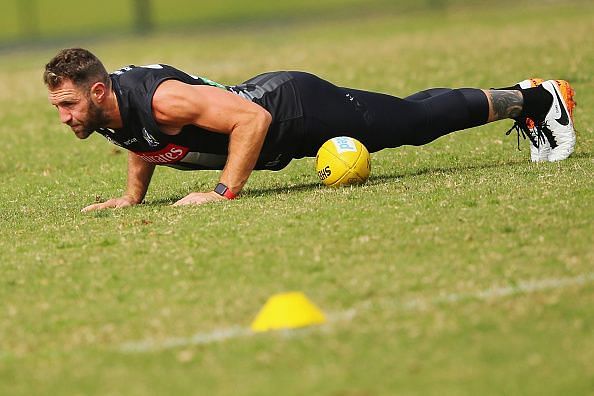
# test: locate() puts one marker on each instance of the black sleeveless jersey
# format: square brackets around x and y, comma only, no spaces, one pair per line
[196,148]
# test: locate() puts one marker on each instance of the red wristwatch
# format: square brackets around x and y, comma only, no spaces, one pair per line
[224,191]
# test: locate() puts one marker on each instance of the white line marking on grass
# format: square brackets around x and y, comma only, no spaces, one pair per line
[196,339]
[223,334]
[522,287]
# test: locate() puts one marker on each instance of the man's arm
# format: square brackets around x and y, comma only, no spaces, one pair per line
[176,104]
[139,178]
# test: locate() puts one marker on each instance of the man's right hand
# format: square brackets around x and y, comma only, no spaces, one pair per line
[121,202]
[139,177]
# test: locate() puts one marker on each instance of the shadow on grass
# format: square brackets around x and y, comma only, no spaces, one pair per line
[373,180]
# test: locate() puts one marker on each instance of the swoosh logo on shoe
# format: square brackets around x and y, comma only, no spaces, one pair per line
[564,119]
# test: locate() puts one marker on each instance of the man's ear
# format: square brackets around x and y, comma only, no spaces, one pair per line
[98,92]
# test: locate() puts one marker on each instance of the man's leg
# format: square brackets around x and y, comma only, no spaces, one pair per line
[381,121]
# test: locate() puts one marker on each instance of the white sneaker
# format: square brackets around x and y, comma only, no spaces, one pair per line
[539,145]
[557,125]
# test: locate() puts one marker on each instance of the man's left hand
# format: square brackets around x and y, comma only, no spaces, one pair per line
[198,198]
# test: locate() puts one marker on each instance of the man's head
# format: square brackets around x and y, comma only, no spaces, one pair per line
[78,86]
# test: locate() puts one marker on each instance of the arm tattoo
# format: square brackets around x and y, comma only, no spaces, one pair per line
[506,104]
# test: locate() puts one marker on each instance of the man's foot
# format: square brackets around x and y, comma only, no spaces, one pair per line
[557,125]
[540,134]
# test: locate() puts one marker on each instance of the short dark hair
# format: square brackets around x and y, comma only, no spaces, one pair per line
[78,65]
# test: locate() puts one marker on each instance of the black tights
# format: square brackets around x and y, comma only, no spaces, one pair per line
[381,121]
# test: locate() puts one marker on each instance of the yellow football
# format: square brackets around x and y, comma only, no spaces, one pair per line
[342,161]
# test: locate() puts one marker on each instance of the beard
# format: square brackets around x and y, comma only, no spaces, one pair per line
[97,118]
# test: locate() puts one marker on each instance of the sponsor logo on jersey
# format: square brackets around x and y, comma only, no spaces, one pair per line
[149,138]
[130,141]
[171,153]
[344,144]
[110,140]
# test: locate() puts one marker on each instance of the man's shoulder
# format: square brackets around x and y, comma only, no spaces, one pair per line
[145,74]
[137,84]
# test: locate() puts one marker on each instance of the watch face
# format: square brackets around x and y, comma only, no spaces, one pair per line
[221,189]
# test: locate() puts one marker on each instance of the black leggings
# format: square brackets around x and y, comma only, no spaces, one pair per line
[382,121]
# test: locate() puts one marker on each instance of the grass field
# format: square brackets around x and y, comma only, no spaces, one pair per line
[59,19]
[459,268]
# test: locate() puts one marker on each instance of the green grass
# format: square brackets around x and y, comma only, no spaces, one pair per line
[71,20]
[462,215]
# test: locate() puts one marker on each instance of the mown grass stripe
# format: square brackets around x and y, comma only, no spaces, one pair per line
[223,334]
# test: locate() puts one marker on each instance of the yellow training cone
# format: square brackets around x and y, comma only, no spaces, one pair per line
[287,311]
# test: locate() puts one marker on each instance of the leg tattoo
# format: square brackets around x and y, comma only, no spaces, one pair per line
[504,104]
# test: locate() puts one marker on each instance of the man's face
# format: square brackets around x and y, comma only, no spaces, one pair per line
[77,109]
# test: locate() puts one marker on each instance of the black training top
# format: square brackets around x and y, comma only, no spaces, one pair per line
[194,147]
